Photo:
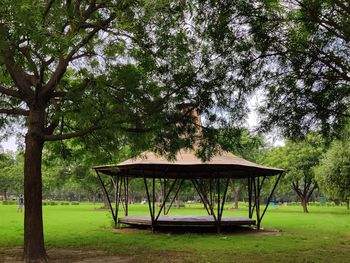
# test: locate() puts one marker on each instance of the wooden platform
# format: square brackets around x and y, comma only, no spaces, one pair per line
[186,221]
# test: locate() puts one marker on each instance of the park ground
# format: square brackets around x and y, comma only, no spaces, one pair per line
[84,233]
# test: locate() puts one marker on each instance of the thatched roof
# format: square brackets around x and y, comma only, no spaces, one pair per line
[188,165]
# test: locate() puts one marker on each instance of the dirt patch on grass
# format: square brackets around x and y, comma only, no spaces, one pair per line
[57,255]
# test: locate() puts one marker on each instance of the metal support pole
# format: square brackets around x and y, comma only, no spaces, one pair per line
[153,201]
[259,187]
[162,207]
[116,184]
[126,182]
[218,220]
[211,191]
[205,202]
[257,197]
[164,194]
[119,192]
[107,196]
[224,197]
[149,201]
[271,193]
[175,196]
[250,196]
[254,192]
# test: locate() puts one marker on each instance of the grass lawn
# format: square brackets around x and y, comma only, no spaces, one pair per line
[323,235]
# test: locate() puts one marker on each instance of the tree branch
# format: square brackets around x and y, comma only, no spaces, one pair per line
[22,79]
[66,136]
[15,111]
[10,92]
[47,8]
[136,130]
[63,63]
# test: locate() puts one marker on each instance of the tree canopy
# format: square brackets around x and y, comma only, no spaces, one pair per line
[299,159]
[302,51]
[119,71]
[115,73]
[333,173]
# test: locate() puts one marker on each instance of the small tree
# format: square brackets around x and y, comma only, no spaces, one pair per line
[299,159]
[333,173]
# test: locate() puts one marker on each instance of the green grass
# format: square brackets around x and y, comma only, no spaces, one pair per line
[323,235]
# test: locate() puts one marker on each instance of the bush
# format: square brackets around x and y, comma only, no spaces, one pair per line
[64,203]
[75,203]
[49,203]
[9,202]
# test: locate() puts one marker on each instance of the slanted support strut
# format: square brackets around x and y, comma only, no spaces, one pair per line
[107,196]
[270,196]
[151,211]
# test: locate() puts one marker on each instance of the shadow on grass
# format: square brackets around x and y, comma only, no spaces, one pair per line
[225,230]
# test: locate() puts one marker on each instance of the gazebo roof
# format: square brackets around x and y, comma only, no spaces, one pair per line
[188,165]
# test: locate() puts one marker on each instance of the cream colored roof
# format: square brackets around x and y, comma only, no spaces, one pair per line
[184,157]
[187,164]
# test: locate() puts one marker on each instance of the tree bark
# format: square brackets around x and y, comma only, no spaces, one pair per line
[304,203]
[237,193]
[34,249]
[105,201]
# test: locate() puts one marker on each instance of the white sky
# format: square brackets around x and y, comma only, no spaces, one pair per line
[10,144]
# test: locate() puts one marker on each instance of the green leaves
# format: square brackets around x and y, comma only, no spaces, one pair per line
[305,53]
[333,173]
[299,159]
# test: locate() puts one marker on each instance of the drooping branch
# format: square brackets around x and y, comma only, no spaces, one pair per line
[75,134]
[14,111]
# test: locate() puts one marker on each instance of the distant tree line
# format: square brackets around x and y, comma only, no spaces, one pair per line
[314,168]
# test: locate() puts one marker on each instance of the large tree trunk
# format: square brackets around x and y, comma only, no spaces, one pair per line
[34,249]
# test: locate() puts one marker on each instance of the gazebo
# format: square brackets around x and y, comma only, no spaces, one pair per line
[210,179]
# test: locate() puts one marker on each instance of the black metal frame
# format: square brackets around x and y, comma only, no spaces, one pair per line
[121,189]
[254,191]
[121,184]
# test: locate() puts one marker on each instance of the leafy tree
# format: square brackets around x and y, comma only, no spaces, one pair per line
[11,176]
[302,50]
[299,159]
[117,69]
[333,173]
